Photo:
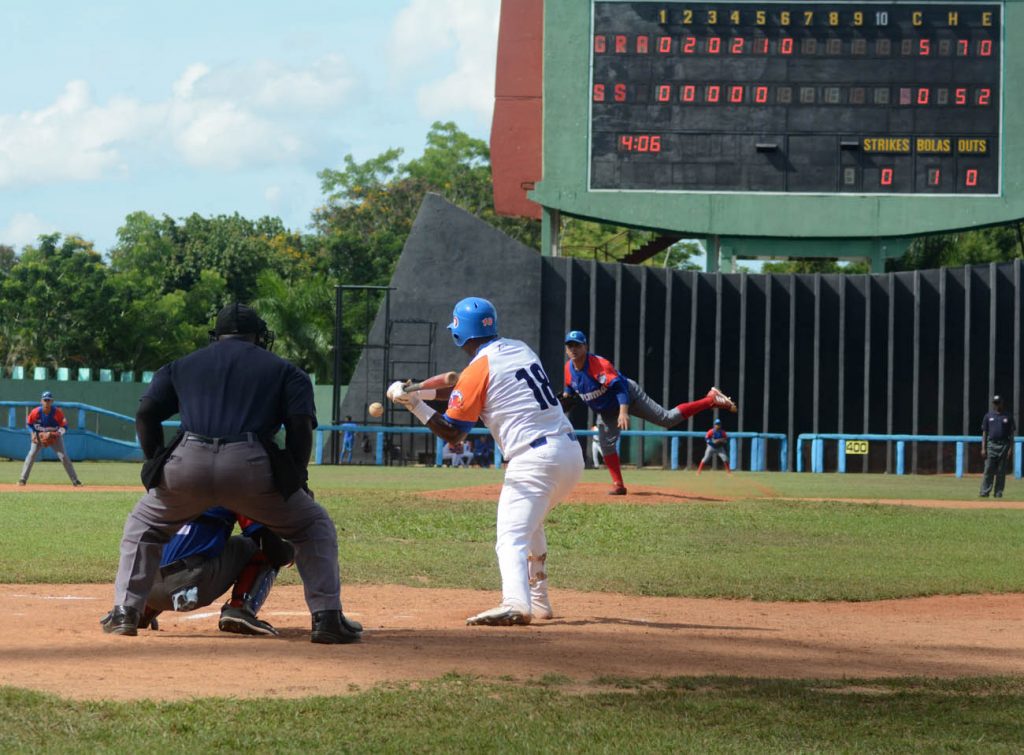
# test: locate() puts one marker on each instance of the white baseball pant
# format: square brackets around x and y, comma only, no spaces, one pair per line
[535,482]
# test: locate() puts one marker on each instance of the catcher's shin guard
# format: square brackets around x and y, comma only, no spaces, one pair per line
[253,586]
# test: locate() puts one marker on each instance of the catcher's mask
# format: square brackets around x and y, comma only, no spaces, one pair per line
[238,320]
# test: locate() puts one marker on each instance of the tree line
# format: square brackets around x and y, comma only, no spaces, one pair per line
[152,297]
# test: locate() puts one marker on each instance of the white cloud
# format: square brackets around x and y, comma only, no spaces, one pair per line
[265,85]
[462,31]
[71,139]
[272,194]
[24,228]
[229,118]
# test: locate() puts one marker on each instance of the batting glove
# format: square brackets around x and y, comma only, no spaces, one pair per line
[396,393]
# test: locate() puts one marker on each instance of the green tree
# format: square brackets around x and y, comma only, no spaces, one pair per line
[995,244]
[52,300]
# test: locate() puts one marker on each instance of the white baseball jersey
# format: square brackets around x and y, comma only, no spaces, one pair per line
[506,387]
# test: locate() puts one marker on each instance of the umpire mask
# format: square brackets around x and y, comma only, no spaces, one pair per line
[238,320]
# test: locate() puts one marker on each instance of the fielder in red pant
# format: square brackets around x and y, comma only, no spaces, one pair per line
[613,397]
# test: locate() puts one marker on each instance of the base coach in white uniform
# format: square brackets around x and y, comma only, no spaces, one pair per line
[505,387]
[233,396]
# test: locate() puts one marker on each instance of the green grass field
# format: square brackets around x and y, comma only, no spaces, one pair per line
[753,545]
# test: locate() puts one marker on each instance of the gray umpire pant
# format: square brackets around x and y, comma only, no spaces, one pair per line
[237,476]
[212,577]
[997,454]
[62,454]
[640,405]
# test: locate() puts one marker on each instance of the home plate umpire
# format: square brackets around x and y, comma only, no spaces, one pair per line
[233,395]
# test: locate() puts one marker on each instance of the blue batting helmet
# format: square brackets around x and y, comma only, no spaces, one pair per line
[576,336]
[473,318]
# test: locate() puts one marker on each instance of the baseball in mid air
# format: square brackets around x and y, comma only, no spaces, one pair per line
[375,409]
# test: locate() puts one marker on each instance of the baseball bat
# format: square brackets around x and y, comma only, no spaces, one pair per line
[435,382]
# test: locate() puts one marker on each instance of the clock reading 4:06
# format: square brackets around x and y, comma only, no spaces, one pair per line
[873,98]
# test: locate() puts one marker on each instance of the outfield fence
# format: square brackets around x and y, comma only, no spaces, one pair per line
[385,452]
[899,444]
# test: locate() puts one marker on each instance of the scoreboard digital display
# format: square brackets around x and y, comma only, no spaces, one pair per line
[805,98]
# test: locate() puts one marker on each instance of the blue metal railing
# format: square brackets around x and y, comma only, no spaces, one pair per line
[817,441]
[758,442]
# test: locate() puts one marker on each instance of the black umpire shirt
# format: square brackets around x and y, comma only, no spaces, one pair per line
[230,387]
[998,426]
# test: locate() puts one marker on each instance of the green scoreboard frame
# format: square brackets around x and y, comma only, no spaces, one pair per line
[839,129]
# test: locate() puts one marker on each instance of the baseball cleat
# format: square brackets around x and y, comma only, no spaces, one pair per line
[720,400]
[21,482]
[617,490]
[240,621]
[502,616]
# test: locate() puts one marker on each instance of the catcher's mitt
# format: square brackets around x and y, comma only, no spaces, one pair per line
[47,437]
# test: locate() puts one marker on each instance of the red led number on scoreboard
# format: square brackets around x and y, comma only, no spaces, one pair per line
[714,45]
[689,45]
[971,179]
[640,143]
[736,46]
[886,177]
[786,46]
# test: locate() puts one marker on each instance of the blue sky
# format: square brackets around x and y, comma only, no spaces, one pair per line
[110,107]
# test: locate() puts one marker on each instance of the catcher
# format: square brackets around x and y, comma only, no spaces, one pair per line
[48,425]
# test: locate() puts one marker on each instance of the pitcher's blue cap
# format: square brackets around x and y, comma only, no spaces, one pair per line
[47,395]
[576,336]
[718,421]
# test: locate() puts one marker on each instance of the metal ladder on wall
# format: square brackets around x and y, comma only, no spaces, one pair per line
[411,355]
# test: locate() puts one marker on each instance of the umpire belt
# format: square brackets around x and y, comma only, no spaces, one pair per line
[182,564]
[240,438]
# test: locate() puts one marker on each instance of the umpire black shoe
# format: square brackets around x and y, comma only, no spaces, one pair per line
[332,628]
[121,620]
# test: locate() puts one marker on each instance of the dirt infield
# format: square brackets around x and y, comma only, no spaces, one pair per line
[597,494]
[50,640]
[586,492]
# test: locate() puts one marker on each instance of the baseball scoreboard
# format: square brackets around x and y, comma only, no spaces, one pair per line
[785,120]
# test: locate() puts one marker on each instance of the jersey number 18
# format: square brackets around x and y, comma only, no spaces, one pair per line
[539,384]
